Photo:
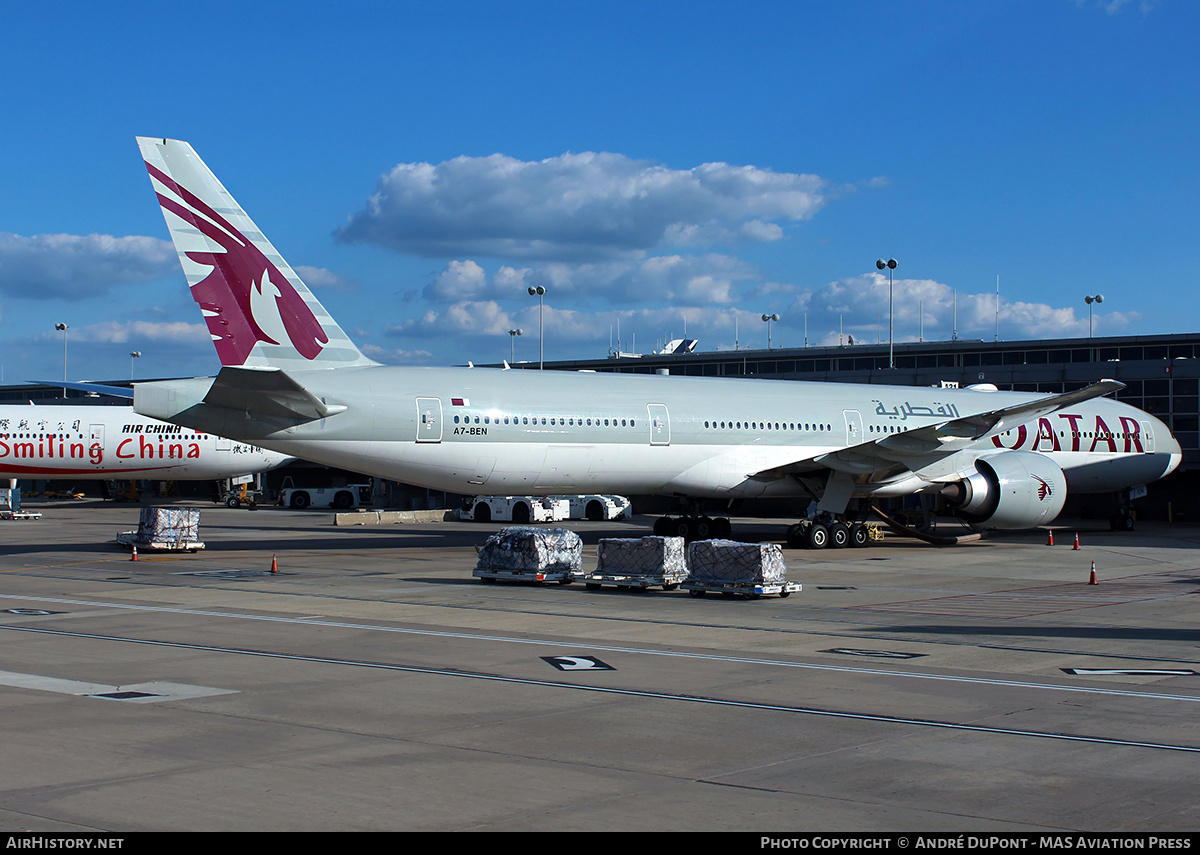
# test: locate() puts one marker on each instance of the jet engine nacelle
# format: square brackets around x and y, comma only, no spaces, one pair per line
[1013,490]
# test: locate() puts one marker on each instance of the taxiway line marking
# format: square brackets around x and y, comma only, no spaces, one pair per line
[466,636]
[640,693]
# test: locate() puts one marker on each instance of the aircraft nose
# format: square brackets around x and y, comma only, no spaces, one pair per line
[1172,447]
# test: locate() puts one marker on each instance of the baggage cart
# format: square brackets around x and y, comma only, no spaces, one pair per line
[745,590]
[165,530]
[731,569]
[639,563]
[526,554]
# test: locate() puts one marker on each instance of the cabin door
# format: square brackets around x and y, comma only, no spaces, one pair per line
[660,424]
[853,427]
[1147,438]
[429,419]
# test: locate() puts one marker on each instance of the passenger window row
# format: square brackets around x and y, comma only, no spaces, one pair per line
[551,421]
[780,426]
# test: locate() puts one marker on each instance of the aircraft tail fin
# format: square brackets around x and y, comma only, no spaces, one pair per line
[258,311]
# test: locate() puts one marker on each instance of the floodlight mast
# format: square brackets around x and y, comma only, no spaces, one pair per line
[1099,298]
[540,293]
[890,264]
[768,319]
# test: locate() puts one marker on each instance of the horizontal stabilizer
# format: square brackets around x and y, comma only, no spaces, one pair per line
[267,394]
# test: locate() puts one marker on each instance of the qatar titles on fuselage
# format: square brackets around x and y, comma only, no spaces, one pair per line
[63,441]
[293,381]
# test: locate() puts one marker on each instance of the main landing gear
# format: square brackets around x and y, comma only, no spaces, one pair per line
[1122,519]
[691,524]
[827,532]
[693,528]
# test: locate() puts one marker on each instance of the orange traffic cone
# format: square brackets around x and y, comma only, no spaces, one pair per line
[1092,579]
[1076,546]
[134,556]
[1050,539]
[274,565]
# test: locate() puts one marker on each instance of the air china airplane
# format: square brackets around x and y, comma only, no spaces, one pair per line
[293,381]
[57,442]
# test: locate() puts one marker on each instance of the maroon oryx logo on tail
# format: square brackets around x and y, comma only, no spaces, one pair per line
[245,299]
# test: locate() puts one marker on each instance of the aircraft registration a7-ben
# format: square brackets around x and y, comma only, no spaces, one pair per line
[64,441]
[291,380]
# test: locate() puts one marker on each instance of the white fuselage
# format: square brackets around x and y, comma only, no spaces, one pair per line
[56,442]
[490,431]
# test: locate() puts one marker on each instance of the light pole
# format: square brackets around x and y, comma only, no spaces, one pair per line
[890,264]
[767,319]
[540,293]
[1099,298]
[512,349]
[133,354]
[64,329]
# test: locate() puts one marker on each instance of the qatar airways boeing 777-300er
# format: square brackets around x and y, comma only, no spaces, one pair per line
[291,380]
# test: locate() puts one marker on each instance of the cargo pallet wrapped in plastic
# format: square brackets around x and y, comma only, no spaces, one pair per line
[525,553]
[639,563]
[172,529]
[737,569]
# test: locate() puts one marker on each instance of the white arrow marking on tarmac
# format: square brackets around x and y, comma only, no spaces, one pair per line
[574,663]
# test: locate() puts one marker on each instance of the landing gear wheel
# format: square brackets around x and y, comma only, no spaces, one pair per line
[797,536]
[839,535]
[859,536]
[1120,522]
[818,536]
[704,528]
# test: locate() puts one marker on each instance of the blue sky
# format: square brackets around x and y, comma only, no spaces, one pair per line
[652,164]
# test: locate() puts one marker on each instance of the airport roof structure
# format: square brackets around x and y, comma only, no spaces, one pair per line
[1161,373]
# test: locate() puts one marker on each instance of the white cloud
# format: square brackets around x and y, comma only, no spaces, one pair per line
[398,356]
[678,279]
[1112,7]
[861,304]
[588,206]
[322,279]
[135,333]
[461,280]
[47,267]
[462,318]
[101,351]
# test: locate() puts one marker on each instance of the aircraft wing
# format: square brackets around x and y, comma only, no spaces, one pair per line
[927,444]
[97,388]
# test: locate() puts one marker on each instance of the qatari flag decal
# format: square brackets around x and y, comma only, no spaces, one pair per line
[460,402]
